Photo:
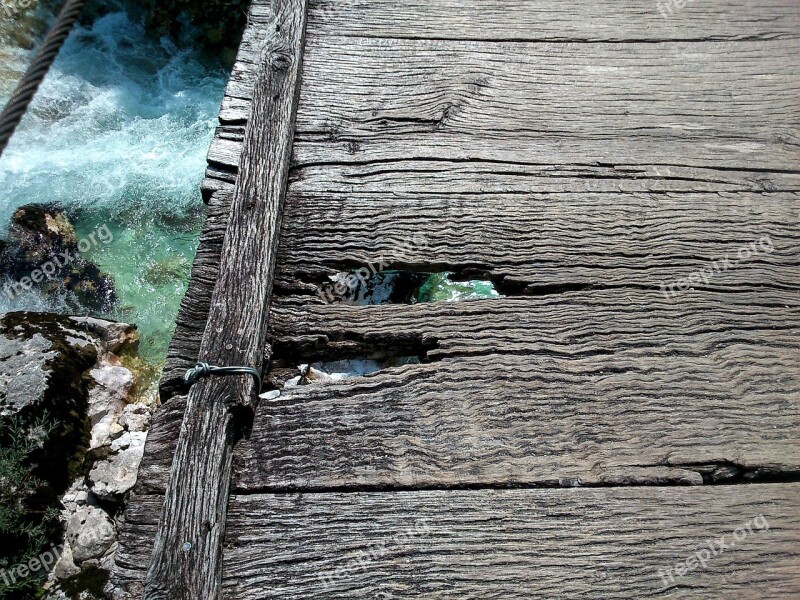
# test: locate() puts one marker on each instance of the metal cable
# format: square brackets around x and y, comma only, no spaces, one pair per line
[23,94]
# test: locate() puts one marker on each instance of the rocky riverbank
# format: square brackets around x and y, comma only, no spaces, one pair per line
[67,399]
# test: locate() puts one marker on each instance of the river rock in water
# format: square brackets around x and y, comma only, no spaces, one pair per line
[43,252]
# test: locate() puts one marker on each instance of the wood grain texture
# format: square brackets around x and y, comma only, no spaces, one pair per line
[453,177]
[186,560]
[571,25]
[505,420]
[684,104]
[567,325]
[549,146]
[162,441]
[566,543]
[184,347]
[525,241]
[235,108]
[609,386]
[218,193]
[555,20]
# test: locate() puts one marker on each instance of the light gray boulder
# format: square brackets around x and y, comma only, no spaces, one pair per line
[112,478]
[90,534]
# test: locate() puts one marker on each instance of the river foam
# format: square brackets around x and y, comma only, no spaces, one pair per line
[118,136]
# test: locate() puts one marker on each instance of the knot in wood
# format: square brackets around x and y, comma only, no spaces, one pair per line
[280,59]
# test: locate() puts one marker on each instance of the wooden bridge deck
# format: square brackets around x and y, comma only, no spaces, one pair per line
[585,434]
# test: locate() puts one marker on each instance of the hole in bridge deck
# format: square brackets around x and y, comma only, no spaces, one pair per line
[334,360]
[308,362]
[402,287]
[338,370]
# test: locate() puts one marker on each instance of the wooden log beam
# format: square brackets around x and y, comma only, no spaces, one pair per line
[610,543]
[186,561]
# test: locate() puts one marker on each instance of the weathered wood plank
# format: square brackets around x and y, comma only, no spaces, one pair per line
[568,324]
[619,238]
[576,21]
[610,386]
[697,90]
[449,96]
[217,191]
[162,440]
[602,543]
[186,560]
[233,108]
[526,241]
[632,104]
[191,321]
[572,25]
[647,415]
[473,177]
[625,537]
[566,543]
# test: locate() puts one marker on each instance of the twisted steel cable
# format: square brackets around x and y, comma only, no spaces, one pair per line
[23,94]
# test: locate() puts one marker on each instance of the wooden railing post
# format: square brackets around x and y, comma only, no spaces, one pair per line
[187,557]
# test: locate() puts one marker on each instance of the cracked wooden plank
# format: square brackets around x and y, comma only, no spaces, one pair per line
[523,242]
[190,323]
[468,101]
[603,386]
[694,104]
[571,324]
[636,416]
[575,22]
[237,100]
[446,177]
[566,543]
[217,191]
[186,561]
[570,25]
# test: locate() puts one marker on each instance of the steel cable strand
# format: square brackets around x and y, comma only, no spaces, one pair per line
[34,75]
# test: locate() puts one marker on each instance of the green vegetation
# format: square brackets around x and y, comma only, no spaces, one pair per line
[27,524]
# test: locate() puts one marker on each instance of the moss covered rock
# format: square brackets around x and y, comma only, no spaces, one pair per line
[42,252]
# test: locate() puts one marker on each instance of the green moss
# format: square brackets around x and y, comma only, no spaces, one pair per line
[146,376]
[91,580]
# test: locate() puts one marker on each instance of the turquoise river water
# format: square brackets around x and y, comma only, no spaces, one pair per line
[117,136]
